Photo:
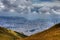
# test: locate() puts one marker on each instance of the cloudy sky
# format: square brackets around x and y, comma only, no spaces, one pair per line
[30,9]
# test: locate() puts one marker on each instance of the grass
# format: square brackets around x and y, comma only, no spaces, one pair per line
[6,34]
[52,33]
[21,35]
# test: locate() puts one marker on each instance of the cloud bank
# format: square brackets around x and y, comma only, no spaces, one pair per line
[28,9]
[46,10]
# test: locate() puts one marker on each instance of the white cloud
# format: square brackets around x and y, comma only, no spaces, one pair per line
[55,12]
[23,7]
[1,6]
[42,10]
[49,4]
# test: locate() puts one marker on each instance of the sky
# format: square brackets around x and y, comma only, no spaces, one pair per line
[30,9]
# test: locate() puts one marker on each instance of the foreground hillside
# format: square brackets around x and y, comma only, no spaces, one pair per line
[6,34]
[51,34]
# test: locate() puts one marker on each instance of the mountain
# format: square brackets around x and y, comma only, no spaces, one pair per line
[51,34]
[6,34]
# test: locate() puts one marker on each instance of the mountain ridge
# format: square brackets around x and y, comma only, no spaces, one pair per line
[52,33]
[7,34]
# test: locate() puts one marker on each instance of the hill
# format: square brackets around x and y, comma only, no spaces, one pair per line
[51,34]
[6,34]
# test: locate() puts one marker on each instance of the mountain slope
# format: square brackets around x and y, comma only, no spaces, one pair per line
[51,34]
[6,34]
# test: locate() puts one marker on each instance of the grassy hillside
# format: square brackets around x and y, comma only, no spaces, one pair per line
[6,34]
[51,34]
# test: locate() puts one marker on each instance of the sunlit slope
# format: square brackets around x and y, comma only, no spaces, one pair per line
[6,34]
[51,34]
